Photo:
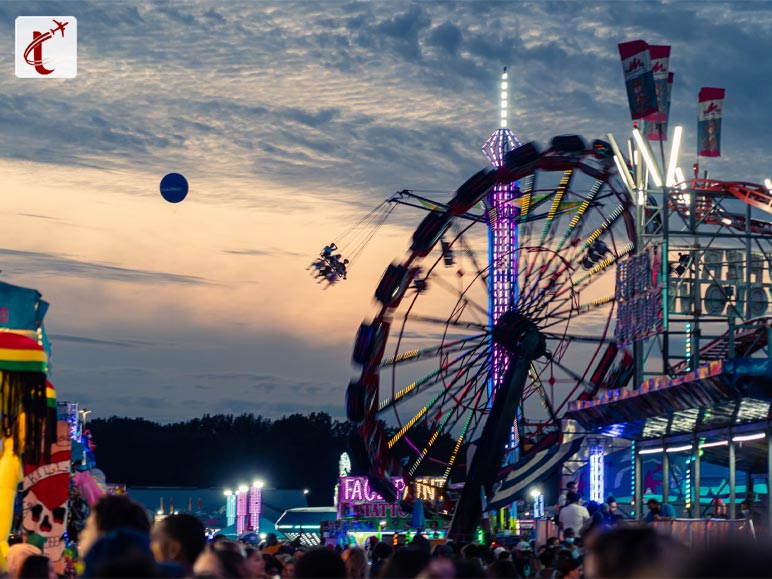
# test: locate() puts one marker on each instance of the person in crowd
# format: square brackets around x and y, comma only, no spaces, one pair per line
[553,543]
[123,552]
[18,553]
[547,560]
[524,561]
[255,562]
[271,545]
[633,552]
[37,567]
[380,553]
[501,569]
[320,563]
[273,566]
[659,511]
[109,513]
[356,563]
[221,560]
[565,565]
[573,515]
[570,488]
[405,563]
[178,539]
[748,513]
[569,543]
[614,513]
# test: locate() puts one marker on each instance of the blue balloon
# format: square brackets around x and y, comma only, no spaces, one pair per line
[174,187]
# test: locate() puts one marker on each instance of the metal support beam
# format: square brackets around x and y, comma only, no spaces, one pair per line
[665,476]
[732,474]
[769,481]
[638,491]
[696,505]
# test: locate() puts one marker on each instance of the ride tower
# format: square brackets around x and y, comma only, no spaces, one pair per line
[502,248]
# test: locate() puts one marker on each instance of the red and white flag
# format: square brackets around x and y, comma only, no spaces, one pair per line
[711,110]
[639,78]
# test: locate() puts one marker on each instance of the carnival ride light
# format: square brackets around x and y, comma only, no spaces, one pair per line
[228,493]
[674,150]
[627,178]
[243,488]
[644,148]
[679,448]
[258,484]
[535,493]
[681,179]
[712,444]
[768,183]
[747,437]
[657,450]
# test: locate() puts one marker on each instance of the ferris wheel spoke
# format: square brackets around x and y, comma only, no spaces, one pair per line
[454,323]
[423,353]
[580,213]
[443,283]
[442,422]
[433,377]
[579,338]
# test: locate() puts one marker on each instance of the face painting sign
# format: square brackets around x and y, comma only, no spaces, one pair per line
[46,489]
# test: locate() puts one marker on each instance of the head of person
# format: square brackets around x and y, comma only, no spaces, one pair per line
[553,542]
[745,507]
[572,497]
[523,549]
[18,554]
[109,513]
[654,506]
[592,507]
[571,486]
[123,552]
[179,539]
[382,550]
[569,536]
[36,567]
[405,563]
[221,562]
[612,506]
[322,563]
[255,562]
[355,560]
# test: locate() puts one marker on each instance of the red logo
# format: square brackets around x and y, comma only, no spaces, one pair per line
[635,64]
[712,108]
[36,47]
[658,67]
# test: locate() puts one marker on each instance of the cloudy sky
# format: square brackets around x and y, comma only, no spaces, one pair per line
[291,120]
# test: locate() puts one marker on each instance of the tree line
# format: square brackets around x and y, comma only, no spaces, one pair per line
[293,452]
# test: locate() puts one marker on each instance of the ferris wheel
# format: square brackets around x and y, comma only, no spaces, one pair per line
[470,340]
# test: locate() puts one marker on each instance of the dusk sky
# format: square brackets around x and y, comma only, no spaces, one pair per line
[290,121]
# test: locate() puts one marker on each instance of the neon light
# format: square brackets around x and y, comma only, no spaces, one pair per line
[674,149]
[597,472]
[356,489]
[748,437]
[255,506]
[242,509]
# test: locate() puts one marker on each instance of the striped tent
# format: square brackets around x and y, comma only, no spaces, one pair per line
[532,470]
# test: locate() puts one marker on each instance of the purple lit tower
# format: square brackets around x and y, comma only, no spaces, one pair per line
[502,241]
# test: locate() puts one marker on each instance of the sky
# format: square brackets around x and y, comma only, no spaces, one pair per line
[291,120]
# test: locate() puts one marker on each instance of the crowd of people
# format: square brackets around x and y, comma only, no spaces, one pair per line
[119,540]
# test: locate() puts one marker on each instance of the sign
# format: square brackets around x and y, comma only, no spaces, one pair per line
[639,296]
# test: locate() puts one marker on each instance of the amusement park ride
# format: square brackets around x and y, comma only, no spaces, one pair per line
[510,304]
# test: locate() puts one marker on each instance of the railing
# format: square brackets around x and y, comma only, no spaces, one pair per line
[695,533]
[701,533]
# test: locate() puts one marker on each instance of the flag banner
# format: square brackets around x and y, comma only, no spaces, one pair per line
[639,78]
[651,128]
[711,110]
[660,57]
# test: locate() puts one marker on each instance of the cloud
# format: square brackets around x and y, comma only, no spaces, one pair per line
[51,263]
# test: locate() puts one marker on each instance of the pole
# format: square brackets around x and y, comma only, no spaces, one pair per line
[638,491]
[696,477]
[665,475]
[732,474]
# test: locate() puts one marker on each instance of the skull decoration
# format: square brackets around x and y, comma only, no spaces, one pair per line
[45,498]
[46,515]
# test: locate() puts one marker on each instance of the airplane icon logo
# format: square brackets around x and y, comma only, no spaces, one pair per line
[42,48]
